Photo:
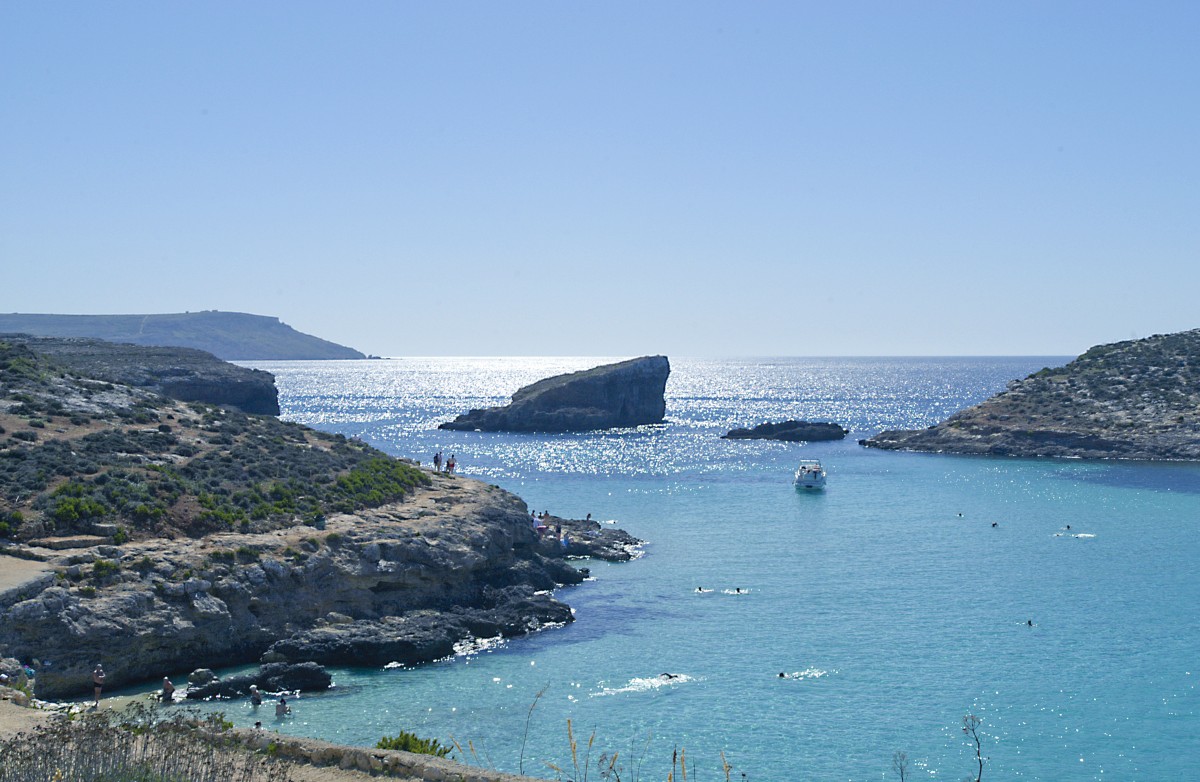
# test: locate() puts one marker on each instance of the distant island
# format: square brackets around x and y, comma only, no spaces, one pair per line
[628,393]
[232,336]
[1138,399]
[790,432]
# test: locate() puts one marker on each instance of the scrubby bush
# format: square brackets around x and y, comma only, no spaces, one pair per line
[136,745]
[410,742]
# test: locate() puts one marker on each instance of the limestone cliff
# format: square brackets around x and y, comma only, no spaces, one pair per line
[1129,400]
[404,582]
[628,393]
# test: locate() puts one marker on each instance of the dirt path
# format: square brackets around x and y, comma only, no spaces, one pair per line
[17,719]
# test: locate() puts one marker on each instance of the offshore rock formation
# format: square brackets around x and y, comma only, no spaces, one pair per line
[629,393]
[399,583]
[789,431]
[1129,400]
[180,373]
[233,336]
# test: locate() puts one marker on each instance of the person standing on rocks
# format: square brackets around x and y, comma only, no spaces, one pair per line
[437,462]
[98,681]
[450,465]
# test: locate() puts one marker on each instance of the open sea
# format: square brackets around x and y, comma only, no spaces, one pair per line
[897,601]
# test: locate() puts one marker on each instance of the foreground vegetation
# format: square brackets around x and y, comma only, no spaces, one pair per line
[126,748]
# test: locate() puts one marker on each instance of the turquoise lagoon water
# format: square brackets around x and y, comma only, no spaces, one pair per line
[897,600]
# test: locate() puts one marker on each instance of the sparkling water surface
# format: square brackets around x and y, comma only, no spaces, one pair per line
[896,601]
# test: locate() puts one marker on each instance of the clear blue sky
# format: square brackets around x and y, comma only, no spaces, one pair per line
[611,178]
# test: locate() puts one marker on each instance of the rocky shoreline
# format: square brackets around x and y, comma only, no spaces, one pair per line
[402,583]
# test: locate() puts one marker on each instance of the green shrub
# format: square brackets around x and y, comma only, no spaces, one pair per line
[103,568]
[409,742]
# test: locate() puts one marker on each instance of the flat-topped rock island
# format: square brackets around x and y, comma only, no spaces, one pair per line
[628,393]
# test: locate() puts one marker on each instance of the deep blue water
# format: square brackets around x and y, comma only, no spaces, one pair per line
[890,599]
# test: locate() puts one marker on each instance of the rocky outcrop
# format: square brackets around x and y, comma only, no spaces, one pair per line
[1129,400]
[403,582]
[232,336]
[629,393]
[789,431]
[180,373]
[272,677]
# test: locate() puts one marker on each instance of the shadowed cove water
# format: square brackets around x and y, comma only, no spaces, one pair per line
[895,602]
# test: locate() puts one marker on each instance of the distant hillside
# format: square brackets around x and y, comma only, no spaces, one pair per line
[1129,400]
[233,336]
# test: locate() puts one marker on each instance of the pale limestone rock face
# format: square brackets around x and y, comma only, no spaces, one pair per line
[462,545]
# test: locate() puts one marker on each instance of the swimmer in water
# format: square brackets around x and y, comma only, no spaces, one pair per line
[1029,623]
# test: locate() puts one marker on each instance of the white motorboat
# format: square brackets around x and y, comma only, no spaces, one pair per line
[810,475]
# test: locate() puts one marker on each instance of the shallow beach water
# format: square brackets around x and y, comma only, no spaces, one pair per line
[897,601]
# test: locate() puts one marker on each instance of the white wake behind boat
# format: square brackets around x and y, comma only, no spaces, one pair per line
[810,475]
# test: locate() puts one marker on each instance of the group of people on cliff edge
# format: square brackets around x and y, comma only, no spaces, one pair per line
[438,464]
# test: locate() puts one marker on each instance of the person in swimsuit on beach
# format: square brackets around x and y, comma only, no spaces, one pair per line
[98,681]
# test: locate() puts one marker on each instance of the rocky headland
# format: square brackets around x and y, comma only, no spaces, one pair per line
[172,535]
[628,393]
[790,431]
[232,336]
[185,374]
[1129,400]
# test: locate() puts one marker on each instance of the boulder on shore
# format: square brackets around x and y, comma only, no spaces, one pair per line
[789,431]
[271,677]
[628,393]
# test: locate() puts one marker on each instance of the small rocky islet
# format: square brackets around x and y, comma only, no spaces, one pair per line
[790,431]
[178,534]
